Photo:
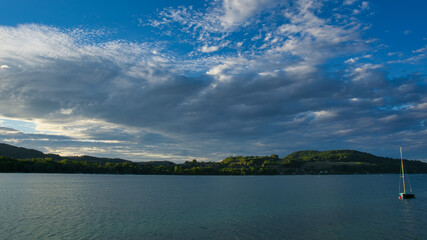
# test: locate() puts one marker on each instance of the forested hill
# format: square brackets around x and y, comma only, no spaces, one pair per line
[326,162]
[341,159]
[7,150]
[334,156]
[14,159]
[14,152]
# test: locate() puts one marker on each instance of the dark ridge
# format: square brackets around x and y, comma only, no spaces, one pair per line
[16,159]
[11,151]
[7,150]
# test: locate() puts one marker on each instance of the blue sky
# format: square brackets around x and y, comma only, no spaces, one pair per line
[178,80]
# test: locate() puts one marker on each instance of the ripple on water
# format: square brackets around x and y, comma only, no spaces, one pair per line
[57,206]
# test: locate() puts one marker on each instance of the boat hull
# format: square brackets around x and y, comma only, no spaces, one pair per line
[407,195]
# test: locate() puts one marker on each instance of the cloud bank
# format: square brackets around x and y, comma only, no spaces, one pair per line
[254,79]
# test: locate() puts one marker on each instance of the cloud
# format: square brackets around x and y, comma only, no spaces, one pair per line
[415,57]
[406,32]
[400,54]
[324,115]
[365,68]
[237,12]
[349,2]
[250,80]
[421,50]
[7,131]
[364,6]
[220,16]
[351,60]
[209,49]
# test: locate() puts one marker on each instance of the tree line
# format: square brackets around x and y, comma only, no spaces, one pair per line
[303,162]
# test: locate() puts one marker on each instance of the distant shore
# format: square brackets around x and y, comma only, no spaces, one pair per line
[17,159]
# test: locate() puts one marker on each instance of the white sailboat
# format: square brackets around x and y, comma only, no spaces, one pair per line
[404,194]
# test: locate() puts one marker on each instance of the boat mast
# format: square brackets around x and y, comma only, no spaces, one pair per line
[403,171]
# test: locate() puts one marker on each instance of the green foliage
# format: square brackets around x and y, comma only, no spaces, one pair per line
[302,162]
[333,156]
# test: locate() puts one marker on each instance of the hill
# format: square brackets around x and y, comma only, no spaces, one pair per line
[16,159]
[7,150]
[14,152]
[321,162]
[350,160]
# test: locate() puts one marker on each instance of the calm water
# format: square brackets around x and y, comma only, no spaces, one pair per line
[60,206]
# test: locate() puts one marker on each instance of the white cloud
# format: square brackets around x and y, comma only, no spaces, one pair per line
[221,72]
[421,50]
[351,60]
[36,45]
[66,111]
[400,54]
[349,2]
[273,73]
[362,7]
[354,60]
[314,116]
[209,49]
[363,71]
[365,5]
[421,106]
[366,67]
[300,69]
[220,16]
[311,38]
[390,118]
[4,66]
[322,115]
[418,55]
[237,12]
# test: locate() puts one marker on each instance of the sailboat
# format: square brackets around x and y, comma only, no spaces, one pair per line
[404,194]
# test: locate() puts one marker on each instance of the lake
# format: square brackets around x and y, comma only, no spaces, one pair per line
[79,206]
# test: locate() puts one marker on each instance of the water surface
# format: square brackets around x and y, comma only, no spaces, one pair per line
[77,206]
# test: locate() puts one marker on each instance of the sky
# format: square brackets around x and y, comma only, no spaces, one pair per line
[183,80]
